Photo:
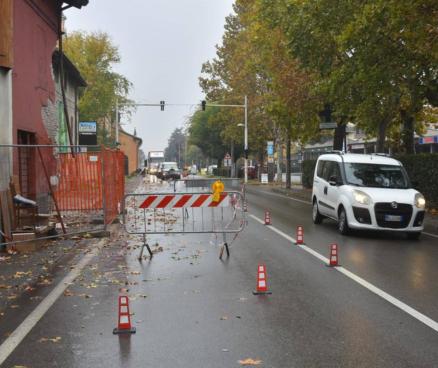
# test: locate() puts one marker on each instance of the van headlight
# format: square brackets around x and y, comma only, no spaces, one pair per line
[420,202]
[361,197]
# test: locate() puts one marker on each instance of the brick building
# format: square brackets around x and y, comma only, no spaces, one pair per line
[29,33]
[130,146]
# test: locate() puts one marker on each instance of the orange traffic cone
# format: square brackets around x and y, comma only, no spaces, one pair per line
[333,261]
[262,284]
[267,217]
[300,235]
[124,323]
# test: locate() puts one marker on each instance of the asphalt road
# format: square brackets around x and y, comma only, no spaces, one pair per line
[193,310]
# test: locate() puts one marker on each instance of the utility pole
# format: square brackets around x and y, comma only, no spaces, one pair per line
[246,139]
[117,122]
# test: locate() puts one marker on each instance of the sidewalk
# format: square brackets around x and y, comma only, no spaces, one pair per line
[430,220]
[22,273]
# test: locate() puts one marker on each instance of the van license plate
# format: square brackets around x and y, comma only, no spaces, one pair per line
[393,218]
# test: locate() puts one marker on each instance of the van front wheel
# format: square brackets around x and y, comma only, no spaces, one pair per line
[343,222]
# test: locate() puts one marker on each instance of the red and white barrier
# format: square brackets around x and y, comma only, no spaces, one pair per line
[124,320]
[300,235]
[262,281]
[169,201]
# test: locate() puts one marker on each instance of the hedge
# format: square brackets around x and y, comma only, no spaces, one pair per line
[422,169]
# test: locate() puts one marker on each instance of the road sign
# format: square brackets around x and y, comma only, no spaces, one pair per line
[270,148]
[264,178]
[329,125]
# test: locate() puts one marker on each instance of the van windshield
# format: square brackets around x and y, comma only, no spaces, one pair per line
[376,176]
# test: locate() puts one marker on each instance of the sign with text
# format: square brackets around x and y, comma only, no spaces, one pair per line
[87,133]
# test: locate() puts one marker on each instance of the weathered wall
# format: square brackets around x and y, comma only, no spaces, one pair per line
[130,146]
[5,126]
[35,37]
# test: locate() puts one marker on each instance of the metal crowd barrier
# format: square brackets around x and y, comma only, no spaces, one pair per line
[184,213]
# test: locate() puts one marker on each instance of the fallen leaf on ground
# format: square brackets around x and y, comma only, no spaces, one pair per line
[250,361]
[224,318]
[68,293]
[54,339]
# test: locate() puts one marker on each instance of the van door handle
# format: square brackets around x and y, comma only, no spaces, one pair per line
[325,190]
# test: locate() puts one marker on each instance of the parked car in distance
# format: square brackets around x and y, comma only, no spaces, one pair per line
[169,170]
[366,191]
[210,169]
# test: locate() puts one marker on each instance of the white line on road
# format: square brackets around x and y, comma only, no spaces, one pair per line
[16,337]
[308,202]
[283,196]
[384,295]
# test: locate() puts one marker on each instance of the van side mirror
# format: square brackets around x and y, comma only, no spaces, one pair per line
[333,180]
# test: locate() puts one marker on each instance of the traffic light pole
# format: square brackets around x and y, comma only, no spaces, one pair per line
[203,104]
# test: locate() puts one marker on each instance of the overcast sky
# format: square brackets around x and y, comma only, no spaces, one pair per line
[163,45]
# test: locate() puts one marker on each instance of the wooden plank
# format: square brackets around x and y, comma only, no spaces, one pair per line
[11,210]
[7,226]
[6,45]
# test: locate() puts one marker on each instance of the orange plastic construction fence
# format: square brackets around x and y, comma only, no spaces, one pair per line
[91,181]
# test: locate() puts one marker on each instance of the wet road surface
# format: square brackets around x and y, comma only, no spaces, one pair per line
[193,310]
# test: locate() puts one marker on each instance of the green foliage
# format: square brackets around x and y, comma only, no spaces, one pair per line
[371,58]
[308,172]
[176,147]
[423,170]
[94,55]
[205,129]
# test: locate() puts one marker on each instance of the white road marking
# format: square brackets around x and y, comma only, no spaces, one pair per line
[307,202]
[429,234]
[16,337]
[374,289]
[283,196]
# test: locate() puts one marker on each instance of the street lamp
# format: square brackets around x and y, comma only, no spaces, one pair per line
[246,138]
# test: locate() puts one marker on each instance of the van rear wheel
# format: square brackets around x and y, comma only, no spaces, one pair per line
[316,216]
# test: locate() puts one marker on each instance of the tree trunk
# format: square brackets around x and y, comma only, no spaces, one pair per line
[408,132]
[381,136]
[339,138]
[288,157]
[232,174]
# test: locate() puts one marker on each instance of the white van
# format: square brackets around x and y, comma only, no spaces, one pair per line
[366,191]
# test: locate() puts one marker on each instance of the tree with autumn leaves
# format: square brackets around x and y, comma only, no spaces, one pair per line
[374,62]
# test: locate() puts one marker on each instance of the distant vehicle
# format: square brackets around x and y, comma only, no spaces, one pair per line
[155,158]
[252,172]
[193,170]
[210,169]
[169,170]
[370,192]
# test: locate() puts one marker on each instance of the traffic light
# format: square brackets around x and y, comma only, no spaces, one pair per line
[203,103]
[162,103]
